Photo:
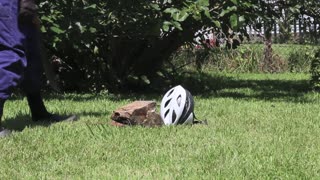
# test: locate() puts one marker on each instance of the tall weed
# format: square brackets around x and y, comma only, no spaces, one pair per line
[299,59]
[247,58]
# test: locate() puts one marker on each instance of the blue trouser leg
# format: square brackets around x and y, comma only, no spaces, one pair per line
[12,56]
[19,56]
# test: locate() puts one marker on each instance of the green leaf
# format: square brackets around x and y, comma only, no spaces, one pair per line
[166,26]
[207,13]
[171,10]
[155,6]
[82,28]
[56,30]
[197,16]
[92,30]
[180,16]
[295,9]
[46,18]
[248,5]
[234,21]
[96,50]
[228,10]
[93,6]
[177,25]
[242,19]
[56,39]
[43,29]
[217,23]
[145,79]
[203,2]
[235,2]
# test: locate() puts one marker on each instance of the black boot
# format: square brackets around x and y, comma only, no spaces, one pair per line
[40,113]
[3,132]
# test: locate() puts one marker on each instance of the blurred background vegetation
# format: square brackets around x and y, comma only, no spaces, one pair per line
[121,45]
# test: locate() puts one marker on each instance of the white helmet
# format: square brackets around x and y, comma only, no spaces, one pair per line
[177,107]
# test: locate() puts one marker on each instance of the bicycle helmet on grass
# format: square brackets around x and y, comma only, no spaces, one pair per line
[177,107]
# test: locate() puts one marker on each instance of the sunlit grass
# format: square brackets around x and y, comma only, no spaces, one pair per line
[261,126]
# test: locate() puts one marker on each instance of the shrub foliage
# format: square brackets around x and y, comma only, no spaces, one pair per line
[117,44]
[315,71]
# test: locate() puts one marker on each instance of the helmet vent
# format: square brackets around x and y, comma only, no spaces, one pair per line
[187,103]
[174,116]
[166,104]
[166,113]
[179,100]
[170,92]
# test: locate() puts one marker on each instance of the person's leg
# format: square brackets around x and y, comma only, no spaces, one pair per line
[12,56]
[30,26]
[31,84]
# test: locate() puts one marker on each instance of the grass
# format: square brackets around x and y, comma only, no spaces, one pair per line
[261,126]
[247,58]
[284,50]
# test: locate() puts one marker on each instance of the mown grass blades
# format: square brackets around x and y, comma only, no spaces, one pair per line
[260,126]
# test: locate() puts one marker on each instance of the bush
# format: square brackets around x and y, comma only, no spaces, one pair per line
[100,44]
[299,59]
[117,44]
[315,71]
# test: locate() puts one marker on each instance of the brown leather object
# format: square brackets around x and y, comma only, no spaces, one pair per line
[137,113]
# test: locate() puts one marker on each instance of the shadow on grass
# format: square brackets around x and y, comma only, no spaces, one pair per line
[206,85]
[22,121]
[201,84]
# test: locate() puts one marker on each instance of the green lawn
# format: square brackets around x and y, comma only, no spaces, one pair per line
[261,126]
